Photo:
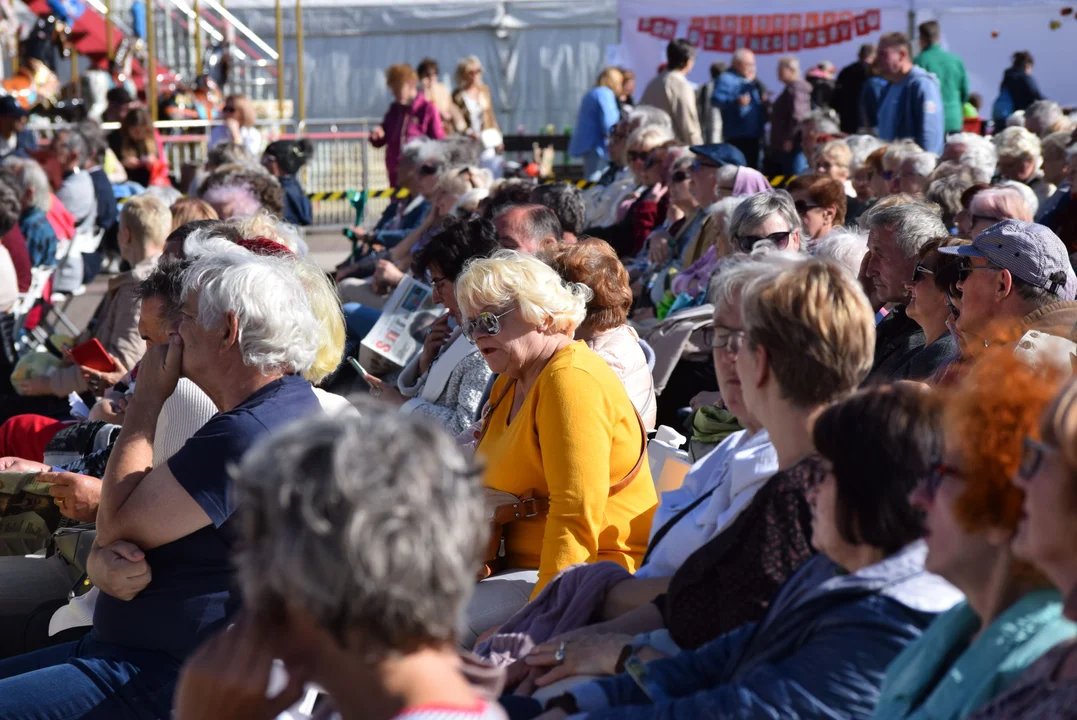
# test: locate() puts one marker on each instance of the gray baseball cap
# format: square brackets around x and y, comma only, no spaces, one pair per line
[1031,252]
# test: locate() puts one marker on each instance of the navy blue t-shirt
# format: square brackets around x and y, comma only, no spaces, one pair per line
[193,590]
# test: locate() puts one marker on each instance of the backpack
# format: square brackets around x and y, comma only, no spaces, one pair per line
[1002,109]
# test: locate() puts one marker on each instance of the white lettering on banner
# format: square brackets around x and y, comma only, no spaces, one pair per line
[767,34]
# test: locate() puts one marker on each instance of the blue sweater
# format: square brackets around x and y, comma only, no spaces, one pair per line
[739,122]
[597,116]
[913,109]
[296,203]
[821,651]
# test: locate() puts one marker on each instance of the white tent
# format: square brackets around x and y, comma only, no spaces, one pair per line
[540,56]
[985,33]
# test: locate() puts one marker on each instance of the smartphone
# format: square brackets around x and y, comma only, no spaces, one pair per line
[358,368]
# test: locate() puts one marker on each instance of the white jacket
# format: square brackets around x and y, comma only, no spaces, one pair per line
[621,351]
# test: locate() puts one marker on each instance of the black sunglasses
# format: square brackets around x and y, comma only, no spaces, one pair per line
[638,155]
[429,170]
[679,176]
[804,206]
[780,240]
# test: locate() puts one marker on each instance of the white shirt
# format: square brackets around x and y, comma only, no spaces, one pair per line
[736,469]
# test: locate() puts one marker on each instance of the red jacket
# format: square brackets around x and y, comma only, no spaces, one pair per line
[404,123]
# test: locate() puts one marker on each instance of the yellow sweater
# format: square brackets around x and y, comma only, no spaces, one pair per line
[575,436]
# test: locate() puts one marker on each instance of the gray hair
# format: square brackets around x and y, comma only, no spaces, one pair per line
[1055,144]
[843,246]
[373,523]
[913,225]
[229,153]
[896,152]
[755,209]
[980,155]
[742,55]
[727,173]
[1027,193]
[278,330]
[74,143]
[649,116]
[791,62]
[740,270]
[1018,142]
[1016,120]
[416,150]
[649,135]
[946,191]
[923,162]
[1046,113]
[32,177]
[825,122]
[861,146]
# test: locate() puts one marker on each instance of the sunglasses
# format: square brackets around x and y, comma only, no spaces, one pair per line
[634,155]
[965,271]
[1032,458]
[699,165]
[919,273]
[679,176]
[729,342]
[486,323]
[780,240]
[429,170]
[803,206]
[228,108]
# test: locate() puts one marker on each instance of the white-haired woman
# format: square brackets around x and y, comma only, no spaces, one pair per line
[560,429]
[360,543]
[1020,155]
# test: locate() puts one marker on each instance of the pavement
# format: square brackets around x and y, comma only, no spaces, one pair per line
[327,248]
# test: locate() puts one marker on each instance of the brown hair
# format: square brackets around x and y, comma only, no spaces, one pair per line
[397,75]
[595,264]
[244,109]
[611,78]
[817,327]
[189,209]
[826,192]
[875,159]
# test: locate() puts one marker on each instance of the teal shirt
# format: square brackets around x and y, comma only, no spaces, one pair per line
[941,676]
[953,82]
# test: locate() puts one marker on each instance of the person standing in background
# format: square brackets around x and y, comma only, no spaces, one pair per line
[436,92]
[784,157]
[710,117]
[744,113]
[849,85]
[627,101]
[948,68]
[409,116]
[1019,83]
[911,105]
[598,115]
[671,91]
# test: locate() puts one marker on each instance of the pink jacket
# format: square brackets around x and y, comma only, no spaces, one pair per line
[404,123]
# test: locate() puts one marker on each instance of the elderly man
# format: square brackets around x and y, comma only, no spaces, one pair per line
[1019,271]
[671,91]
[766,218]
[911,105]
[41,240]
[895,236]
[527,228]
[247,330]
[566,202]
[78,195]
[739,96]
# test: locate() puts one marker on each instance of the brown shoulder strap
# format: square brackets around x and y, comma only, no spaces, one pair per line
[487,417]
[639,462]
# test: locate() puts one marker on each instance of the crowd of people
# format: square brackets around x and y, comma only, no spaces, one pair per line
[873,367]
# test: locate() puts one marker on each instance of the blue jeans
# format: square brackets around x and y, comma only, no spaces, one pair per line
[594,165]
[358,321]
[88,679]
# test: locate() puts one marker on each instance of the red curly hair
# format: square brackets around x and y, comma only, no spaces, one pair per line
[987,416]
[594,263]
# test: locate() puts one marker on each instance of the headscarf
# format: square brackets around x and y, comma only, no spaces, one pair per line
[750,182]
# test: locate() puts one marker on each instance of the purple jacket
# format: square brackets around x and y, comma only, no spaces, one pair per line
[404,123]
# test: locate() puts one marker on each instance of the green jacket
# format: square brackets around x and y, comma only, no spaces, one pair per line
[953,82]
[941,676]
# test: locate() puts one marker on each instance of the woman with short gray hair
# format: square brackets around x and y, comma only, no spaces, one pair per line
[766,217]
[361,539]
[41,239]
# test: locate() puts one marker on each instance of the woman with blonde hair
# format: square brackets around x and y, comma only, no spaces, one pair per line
[1020,158]
[598,115]
[473,98]
[239,118]
[560,436]
[189,209]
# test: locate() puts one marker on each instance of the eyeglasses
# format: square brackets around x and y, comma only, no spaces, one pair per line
[679,176]
[803,206]
[729,342]
[965,271]
[228,108]
[486,323]
[634,155]
[933,480]
[1032,458]
[429,170]
[919,272]
[780,240]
